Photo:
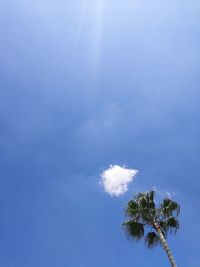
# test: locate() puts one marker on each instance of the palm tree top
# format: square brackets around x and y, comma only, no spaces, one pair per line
[143,216]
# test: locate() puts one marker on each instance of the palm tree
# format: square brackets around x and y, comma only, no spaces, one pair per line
[143,215]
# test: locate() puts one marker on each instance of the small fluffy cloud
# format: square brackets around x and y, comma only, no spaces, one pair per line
[115,179]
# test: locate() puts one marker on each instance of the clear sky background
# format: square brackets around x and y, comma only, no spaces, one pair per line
[85,84]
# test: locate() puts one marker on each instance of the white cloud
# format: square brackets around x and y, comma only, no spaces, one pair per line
[115,179]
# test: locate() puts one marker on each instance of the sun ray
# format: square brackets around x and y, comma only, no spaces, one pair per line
[97,34]
[92,12]
[80,29]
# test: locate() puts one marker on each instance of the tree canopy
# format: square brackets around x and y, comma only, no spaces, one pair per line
[143,215]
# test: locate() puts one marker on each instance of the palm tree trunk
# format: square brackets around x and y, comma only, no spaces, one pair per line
[165,245]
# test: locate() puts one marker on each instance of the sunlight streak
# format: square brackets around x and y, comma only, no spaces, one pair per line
[97,34]
[89,36]
[80,28]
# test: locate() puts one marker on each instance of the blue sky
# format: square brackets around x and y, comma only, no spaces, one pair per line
[85,84]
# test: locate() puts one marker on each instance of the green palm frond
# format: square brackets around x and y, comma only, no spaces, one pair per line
[146,200]
[140,195]
[134,229]
[150,197]
[151,239]
[142,201]
[173,223]
[168,207]
[164,227]
[141,208]
[132,208]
